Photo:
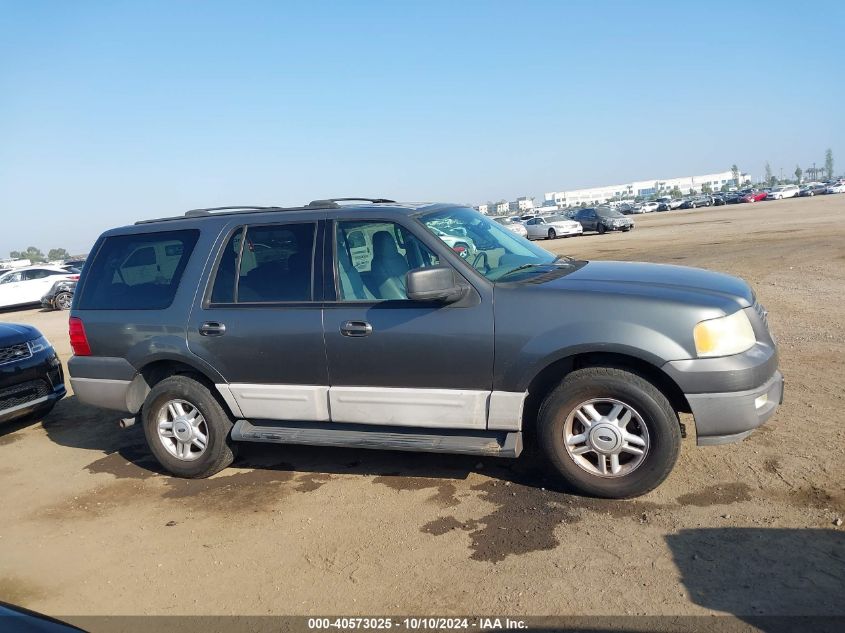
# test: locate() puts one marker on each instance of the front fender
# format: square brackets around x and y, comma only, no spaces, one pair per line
[612,336]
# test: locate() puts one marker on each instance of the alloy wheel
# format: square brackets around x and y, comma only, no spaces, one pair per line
[182,430]
[606,437]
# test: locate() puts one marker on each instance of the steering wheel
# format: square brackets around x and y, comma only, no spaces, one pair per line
[482,255]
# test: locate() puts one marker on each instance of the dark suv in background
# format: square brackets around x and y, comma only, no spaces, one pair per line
[602,220]
[354,323]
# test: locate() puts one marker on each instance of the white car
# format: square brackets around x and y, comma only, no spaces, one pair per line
[463,246]
[650,207]
[836,188]
[552,227]
[513,225]
[25,286]
[783,191]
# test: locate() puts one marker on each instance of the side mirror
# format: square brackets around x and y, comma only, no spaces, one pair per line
[437,283]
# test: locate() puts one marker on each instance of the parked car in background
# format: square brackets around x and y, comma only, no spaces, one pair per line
[732,197]
[26,286]
[753,195]
[694,202]
[461,244]
[31,377]
[812,189]
[60,296]
[414,348]
[513,225]
[783,191]
[663,206]
[835,188]
[719,200]
[603,219]
[649,207]
[552,227]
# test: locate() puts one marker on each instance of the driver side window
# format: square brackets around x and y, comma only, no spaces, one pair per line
[373,257]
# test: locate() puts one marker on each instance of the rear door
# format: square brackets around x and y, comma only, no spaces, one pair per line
[34,284]
[393,361]
[259,322]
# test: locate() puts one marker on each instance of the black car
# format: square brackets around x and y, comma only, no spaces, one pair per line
[694,202]
[719,200]
[31,376]
[60,296]
[602,219]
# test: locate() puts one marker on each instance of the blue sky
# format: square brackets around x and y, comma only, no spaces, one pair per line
[113,111]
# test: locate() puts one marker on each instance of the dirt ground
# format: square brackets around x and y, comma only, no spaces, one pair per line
[90,526]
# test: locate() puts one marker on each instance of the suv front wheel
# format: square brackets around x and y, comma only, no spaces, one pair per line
[609,433]
[186,428]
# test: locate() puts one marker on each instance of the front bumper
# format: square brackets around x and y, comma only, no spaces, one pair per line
[730,396]
[31,385]
[722,418]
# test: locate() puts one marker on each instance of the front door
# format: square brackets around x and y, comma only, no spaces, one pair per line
[393,361]
[260,325]
[10,289]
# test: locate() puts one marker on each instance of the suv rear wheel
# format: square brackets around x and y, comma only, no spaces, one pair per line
[186,428]
[609,433]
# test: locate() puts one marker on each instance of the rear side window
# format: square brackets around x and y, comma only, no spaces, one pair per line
[137,272]
[273,263]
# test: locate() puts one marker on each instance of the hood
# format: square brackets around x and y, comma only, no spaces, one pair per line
[680,283]
[14,333]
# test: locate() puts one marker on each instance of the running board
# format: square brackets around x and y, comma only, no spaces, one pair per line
[393,438]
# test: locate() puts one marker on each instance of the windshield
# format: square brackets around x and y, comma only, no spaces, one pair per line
[609,213]
[494,250]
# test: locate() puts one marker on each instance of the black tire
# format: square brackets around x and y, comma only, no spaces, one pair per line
[629,388]
[219,451]
[552,235]
[62,300]
[601,229]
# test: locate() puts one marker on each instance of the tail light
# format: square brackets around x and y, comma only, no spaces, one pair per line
[78,340]
[74,277]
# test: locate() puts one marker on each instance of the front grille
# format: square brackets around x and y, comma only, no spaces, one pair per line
[14,352]
[17,395]
[762,313]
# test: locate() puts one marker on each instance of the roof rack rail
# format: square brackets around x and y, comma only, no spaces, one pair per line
[331,203]
[209,210]
[356,199]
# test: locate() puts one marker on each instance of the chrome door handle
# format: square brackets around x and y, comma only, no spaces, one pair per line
[356,328]
[212,328]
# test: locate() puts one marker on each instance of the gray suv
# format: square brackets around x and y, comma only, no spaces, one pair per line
[353,323]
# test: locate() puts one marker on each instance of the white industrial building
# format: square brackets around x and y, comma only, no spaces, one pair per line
[644,188]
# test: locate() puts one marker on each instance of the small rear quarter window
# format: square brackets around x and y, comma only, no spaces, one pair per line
[137,272]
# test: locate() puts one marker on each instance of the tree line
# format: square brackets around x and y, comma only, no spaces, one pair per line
[35,255]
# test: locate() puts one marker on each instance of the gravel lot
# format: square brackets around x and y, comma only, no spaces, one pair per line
[90,526]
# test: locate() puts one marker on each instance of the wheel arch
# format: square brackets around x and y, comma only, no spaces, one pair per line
[154,371]
[548,377]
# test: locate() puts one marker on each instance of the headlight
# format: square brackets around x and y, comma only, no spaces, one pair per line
[38,345]
[724,336]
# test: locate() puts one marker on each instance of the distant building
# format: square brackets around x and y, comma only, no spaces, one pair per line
[500,208]
[642,188]
[524,203]
[483,208]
